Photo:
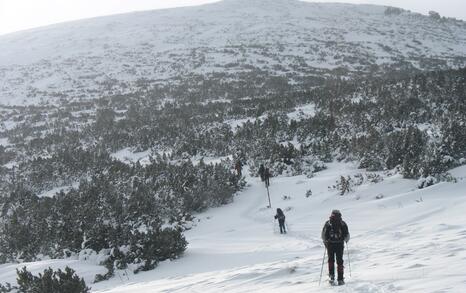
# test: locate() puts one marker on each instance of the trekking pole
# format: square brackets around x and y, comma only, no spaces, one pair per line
[322,268]
[268,195]
[349,262]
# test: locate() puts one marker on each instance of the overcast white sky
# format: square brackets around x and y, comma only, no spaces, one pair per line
[23,14]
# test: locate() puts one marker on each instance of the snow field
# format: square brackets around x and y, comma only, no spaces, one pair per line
[408,240]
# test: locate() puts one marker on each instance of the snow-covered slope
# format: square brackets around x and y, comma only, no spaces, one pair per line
[117,54]
[403,240]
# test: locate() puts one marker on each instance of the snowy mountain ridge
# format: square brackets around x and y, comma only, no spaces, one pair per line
[295,40]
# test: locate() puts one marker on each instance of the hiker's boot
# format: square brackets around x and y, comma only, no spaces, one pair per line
[340,271]
[331,279]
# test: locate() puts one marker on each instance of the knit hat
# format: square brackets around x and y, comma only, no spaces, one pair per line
[336,213]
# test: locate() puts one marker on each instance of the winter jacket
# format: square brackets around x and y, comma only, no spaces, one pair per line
[335,231]
[280,216]
[267,174]
[261,170]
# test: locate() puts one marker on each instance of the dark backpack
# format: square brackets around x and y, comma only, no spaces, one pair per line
[280,215]
[335,232]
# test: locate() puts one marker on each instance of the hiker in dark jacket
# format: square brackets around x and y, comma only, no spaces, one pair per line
[281,220]
[239,167]
[262,172]
[267,177]
[334,234]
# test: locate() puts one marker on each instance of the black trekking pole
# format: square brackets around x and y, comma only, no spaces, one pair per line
[349,262]
[322,268]
[268,195]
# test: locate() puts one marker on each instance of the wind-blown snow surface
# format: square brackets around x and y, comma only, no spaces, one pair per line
[111,55]
[409,240]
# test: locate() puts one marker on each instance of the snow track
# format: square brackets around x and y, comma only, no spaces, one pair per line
[399,243]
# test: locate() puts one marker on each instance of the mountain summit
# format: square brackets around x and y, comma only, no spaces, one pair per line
[290,39]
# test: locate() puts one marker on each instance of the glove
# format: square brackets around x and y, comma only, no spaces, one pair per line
[347,238]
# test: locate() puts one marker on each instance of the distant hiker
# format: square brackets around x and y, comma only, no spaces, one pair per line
[262,172]
[281,220]
[334,234]
[238,167]
[267,177]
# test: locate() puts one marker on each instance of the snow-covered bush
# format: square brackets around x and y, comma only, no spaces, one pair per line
[371,163]
[347,184]
[49,281]
[304,166]
[431,180]
[139,207]
[434,15]
[308,193]
[344,185]
[393,11]
[374,177]
[426,182]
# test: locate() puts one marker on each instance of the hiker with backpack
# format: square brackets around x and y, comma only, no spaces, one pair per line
[262,172]
[334,234]
[267,177]
[281,220]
